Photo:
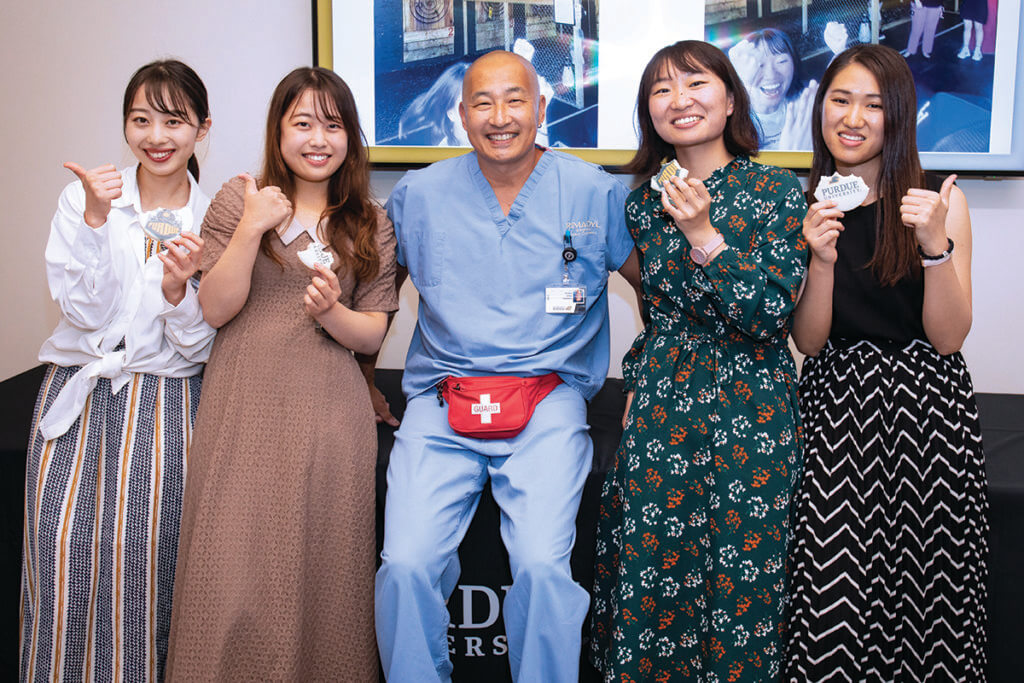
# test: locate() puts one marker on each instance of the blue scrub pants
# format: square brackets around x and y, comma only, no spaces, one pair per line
[434,484]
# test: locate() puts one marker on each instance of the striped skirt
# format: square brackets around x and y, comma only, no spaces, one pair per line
[102,513]
[889,560]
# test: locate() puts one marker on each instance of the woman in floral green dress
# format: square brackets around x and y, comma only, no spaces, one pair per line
[690,581]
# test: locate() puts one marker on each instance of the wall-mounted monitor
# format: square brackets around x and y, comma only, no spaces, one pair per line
[404,60]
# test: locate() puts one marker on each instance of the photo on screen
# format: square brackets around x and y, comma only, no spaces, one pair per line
[404,60]
[422,49]
[950,46]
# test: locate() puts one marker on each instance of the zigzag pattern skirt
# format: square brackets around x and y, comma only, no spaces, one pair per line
[102,514]
[889,559]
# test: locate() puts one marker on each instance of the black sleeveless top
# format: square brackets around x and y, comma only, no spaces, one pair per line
[861,307]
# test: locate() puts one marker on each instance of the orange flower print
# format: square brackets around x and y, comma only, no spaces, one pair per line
[733,520]
[674,498]
[676,435]
[742,605]
[764,413]
[669,559]
[760,477]
[720,463]
[742,390]
[653,477]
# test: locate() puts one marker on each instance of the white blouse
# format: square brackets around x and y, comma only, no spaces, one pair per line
[107,291]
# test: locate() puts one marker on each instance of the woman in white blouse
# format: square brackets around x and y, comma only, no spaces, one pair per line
[110,436]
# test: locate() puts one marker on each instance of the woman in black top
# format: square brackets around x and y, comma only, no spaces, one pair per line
[888,565]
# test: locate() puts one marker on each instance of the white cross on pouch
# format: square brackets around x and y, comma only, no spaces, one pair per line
[484,409]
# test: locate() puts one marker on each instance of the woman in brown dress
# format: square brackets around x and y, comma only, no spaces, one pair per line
[275,566]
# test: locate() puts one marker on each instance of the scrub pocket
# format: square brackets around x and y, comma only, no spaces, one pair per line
[590,267]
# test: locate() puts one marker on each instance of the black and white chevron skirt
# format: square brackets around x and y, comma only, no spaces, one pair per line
[891,532]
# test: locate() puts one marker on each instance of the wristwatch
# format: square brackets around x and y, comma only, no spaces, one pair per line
[702,254]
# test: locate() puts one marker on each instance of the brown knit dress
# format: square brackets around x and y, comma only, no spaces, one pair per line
[276,559]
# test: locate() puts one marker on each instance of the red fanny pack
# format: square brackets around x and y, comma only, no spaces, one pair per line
[493,407]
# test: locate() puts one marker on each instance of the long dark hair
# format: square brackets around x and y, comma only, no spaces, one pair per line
[172,88]
[351,227]
[895,254]
[690,56]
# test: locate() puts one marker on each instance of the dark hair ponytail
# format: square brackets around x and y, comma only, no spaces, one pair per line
[171,87]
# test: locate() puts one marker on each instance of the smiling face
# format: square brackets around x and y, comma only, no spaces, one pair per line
[689,110]
[162,142]
[501,110]
[772,80]
[313,142]
[852,121]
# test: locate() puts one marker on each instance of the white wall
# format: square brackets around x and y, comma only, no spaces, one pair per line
[66,65]
[65,68]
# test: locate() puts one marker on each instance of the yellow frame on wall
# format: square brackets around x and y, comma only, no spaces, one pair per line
[381,154]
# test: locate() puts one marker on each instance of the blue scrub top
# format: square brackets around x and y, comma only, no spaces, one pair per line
[482,276]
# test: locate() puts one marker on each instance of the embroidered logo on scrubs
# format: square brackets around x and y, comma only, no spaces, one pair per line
[484,408]
[583,228]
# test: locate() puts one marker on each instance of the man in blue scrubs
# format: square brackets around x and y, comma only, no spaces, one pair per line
[485,238]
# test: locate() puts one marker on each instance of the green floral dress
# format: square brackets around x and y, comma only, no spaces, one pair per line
[690,579]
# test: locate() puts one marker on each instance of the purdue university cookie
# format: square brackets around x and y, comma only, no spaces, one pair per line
[847,191]
[670,169]
[314,254]
[163,224]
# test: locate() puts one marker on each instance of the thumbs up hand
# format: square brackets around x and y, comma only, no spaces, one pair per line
[265,208]
[102,185]
[925,212]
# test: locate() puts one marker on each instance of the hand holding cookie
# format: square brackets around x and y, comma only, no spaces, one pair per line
[821,230]
[687,201]
[181,261]
[323,292]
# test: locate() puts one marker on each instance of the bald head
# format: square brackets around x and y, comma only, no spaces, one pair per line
[499,65]
[501,110]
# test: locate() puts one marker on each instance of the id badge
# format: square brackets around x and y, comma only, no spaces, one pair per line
[566,298]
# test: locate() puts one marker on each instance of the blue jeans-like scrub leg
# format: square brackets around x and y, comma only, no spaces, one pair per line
[434,484]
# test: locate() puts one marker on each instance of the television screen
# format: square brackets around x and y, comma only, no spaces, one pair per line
[405,59]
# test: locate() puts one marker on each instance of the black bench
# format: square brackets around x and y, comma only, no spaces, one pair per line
[476,633]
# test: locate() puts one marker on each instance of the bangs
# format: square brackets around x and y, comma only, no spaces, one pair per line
[681,62]
[164,97]
[327,106]
[777,42]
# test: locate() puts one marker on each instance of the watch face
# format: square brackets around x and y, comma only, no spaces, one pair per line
[699,256]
